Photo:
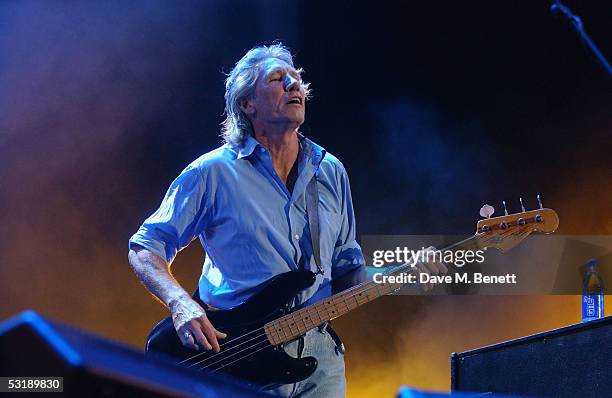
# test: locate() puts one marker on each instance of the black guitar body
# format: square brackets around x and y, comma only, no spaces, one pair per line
[245,352]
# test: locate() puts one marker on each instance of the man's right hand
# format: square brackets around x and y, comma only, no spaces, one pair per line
[190,321]
[193,327]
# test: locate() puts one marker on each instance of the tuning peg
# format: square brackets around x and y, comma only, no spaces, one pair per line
[540,202]
[505,209]
[487,211]
[522,207]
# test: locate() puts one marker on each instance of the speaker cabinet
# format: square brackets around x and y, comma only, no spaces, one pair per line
[32,346]
[573,361]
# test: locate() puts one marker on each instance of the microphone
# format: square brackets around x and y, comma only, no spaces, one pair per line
[559,9]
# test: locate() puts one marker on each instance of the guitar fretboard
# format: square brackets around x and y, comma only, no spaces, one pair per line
[295,324]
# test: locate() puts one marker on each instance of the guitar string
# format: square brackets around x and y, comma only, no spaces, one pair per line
[266,345]
[287,321]
[248,347]
[283,323]
[355,288]
[228,342]
[240,359]
[200,362]
[266,341]
[224,352]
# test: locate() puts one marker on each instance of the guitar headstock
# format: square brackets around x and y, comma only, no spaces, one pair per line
[505,232]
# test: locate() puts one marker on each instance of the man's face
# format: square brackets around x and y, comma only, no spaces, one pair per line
[279,95]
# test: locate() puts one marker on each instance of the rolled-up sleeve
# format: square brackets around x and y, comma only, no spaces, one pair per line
[178,220]
[347,254]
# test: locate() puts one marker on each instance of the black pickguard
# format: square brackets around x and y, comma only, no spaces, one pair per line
[245,352]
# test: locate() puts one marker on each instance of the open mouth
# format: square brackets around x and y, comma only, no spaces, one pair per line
[295,100]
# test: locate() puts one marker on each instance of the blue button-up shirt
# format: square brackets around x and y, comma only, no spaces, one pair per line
[251,227]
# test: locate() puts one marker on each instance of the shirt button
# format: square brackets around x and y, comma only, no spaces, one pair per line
[296,237]
[262,150]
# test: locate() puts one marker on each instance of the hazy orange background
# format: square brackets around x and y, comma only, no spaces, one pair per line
[71,138]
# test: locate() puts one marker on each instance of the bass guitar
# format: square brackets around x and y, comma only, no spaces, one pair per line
[258,329]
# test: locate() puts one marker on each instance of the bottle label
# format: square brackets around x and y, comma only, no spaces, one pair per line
[592,307]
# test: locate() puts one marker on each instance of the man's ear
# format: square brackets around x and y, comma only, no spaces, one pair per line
[247,106]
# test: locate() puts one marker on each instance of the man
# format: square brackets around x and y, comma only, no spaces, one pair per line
[246,202]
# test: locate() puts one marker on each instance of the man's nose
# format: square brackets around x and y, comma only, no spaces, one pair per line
[291,83]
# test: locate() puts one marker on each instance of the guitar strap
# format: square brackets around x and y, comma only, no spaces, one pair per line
[312,209]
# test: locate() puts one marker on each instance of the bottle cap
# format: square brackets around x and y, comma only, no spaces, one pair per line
[592,263]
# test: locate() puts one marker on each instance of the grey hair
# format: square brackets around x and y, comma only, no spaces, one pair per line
[240,85]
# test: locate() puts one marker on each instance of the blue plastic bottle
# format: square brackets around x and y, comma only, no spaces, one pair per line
[592,293]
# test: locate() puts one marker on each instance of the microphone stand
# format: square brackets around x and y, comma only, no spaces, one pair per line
[575,22]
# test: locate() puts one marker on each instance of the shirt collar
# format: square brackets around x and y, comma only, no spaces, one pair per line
[309,148]
[247,147]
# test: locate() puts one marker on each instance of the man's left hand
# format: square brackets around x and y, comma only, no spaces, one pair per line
[428,265]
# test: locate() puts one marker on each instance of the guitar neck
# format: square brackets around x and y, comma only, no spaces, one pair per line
[297,323]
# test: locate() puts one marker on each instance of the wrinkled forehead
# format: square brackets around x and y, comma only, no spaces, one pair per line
[270,65]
